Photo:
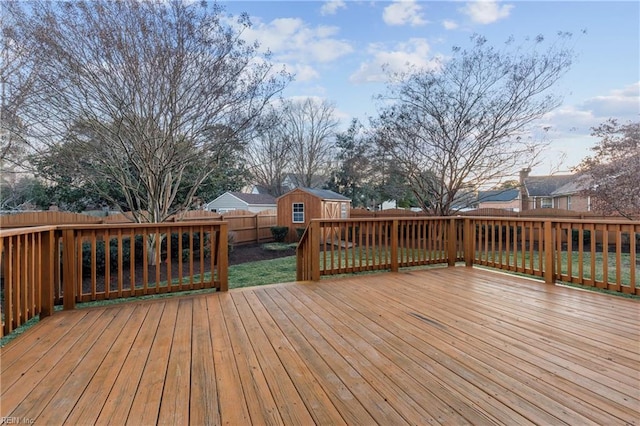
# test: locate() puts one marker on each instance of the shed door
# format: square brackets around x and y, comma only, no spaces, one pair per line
[331,210]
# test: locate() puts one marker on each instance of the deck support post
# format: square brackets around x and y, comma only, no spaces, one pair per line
[47,272]
[394,245]
[468,240]
[549,273]
[69,269]
[314,241]
[452,242]
[223,257]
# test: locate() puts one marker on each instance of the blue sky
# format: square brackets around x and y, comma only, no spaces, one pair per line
[336,50]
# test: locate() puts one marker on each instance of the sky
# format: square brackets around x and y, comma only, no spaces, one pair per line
[337,49]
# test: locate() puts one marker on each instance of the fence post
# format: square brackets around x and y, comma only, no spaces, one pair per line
[69,268]
[47,272]
[549,273]
[394,245]
[452,242]
[223,258]
[468,239]
[314,241]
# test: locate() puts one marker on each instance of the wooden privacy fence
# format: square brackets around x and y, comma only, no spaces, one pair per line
[45,266]
[594,253]
[245,227]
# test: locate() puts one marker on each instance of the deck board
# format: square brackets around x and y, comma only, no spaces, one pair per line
[438,346]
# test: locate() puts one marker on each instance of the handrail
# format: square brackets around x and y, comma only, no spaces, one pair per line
[595,253]
[67,264]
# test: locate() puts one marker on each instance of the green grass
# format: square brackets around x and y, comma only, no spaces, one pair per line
[356,257]
[279,246]
[625,264]
[263,272]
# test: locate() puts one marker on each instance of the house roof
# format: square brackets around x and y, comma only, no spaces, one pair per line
[323,194]
[259,189]
[579,183]
[544,186]
[294,180]
[255,199]
[500,195]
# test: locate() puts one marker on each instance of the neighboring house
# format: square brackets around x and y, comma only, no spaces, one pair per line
[230,201]
[297,207]
[257,189]
[507,199]
[570,195]
[536,192]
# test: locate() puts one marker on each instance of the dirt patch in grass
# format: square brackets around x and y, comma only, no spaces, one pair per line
[254,252]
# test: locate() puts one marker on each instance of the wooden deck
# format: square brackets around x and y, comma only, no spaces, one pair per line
[450,345]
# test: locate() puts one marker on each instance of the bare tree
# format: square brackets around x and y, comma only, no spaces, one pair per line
[142,91]
[613,172]
[310,126]
[18,83]
[456,128]
[269,154]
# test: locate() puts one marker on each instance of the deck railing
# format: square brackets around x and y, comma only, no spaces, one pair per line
[595,253]
[330,247]
[26,267]
[67,264]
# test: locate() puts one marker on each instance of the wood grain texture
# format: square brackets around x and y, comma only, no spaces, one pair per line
[439,346]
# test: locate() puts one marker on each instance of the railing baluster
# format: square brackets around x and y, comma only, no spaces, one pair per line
[605,257]
[132,262]
[618,231]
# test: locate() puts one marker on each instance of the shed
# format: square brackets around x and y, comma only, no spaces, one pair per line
[230,201]
[297,207]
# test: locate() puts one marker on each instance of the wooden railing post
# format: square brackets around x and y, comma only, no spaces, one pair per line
[468,239]
[452,241]
[223,258]
[314,241]
[47,273]
[549,272]
[394,245]
[69,269]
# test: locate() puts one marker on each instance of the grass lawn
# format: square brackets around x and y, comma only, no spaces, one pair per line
[281,270]
[625,264]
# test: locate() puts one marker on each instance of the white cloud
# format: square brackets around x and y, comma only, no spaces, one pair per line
[623,104]
[331,7]
[403,12]
[570,126]
[449,24]
[298,46]
[414,53]
[486,11]
[303,72]
[292,39]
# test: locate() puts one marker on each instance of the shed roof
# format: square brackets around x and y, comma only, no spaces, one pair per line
[323,194]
